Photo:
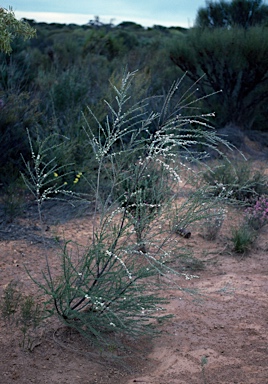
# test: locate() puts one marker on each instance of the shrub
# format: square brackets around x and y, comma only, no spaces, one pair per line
[13,199]
[10,28]
[198,210]
[10,302]
[19,111]
[257,215]
[235,67]
[145,188]
[109,287]
[242,238]
[236,181]
[22,312]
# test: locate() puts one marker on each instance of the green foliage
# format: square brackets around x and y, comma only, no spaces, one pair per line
[46,83]
[30,312]
[29,319]
[198,212]
[104,291]
[235,65]
[10,27]
[204,362]
[20,110]
[242,238]
[109,44]
[23,313]
[12,199]
[68,91]
[223,14]
[238,181]
[43,176]
[145,187]
[10,302]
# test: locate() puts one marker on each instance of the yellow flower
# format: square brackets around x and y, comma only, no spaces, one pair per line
[55,174]
[65,183]
[76,180]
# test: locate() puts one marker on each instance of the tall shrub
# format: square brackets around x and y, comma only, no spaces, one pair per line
[235,65]
[110,287]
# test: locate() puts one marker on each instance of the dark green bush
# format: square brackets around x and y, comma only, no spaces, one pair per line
[235,67]
[242,238]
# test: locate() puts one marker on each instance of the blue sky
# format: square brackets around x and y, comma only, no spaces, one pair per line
[146,12]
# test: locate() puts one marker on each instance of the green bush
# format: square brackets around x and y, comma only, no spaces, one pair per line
[223,14]
[235,67]
[10,27]
[242,238]
[236,181]
[21,312]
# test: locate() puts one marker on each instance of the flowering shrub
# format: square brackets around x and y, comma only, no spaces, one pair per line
[257,216]
[237,182]
[110,287]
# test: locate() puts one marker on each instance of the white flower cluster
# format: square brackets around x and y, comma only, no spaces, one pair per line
[190,277]
[97,302]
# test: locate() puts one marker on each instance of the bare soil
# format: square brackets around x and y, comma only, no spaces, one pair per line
[218,336]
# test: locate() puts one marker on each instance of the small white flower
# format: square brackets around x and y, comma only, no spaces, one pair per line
[112,324]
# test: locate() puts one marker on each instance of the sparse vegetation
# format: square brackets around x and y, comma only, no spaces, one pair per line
[237,181]
[21,312]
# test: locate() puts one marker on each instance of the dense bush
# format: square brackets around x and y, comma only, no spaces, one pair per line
[245,13]
[235,67]
[47,82]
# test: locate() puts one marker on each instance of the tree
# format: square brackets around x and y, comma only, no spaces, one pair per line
[10,28]
[236,67]
[223,14]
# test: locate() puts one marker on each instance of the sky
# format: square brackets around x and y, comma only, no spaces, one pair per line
[167,13]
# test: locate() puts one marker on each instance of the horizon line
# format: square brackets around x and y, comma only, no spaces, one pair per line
[82,19]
